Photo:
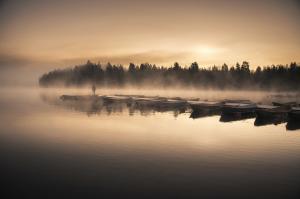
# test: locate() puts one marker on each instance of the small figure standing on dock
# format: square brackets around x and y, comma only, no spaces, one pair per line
[94,89]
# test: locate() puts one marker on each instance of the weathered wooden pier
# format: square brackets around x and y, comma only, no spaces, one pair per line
[229,110]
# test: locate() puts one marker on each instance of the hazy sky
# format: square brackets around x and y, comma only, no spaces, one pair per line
[64,32]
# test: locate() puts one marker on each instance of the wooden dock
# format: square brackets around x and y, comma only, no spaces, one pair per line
[229,110]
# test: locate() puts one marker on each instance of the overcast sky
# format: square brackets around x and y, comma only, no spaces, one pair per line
[57,33]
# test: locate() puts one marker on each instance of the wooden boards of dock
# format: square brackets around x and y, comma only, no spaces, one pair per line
[230,110]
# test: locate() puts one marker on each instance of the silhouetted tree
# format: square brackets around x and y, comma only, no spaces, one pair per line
[176,66]
[285,77]
[224,68]
[194,67]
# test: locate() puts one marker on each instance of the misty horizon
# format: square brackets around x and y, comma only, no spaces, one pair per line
[150,99]
[69,32]
[240,76]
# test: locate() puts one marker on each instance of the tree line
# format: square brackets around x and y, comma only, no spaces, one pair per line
[240,76]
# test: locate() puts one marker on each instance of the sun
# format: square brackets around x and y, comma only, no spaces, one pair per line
[206,50]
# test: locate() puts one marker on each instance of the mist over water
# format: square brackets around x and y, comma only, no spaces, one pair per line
[112,99]
[49,148]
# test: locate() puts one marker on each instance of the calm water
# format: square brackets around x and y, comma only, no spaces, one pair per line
[48,150]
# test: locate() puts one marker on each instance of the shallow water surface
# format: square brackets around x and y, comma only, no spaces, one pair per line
[56,150]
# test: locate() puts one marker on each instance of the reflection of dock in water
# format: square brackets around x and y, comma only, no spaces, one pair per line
[117,104]
[229,110]
[225,117]
[293,119]
[235,111]
[204,113]
[268,115]
[262,121]
[293,125]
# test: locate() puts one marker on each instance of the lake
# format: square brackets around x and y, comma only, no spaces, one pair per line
[51,150]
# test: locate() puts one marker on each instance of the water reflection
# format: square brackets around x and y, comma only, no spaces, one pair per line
[46,146]
[93,105]
[262,121]
[204,113]
[292,125]
[226,117]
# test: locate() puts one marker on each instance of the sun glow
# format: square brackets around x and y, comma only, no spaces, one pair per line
[206,50]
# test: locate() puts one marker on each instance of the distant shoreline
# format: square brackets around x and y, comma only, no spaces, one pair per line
[275,77]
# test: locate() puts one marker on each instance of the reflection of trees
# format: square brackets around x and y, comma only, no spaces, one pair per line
[239,76]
